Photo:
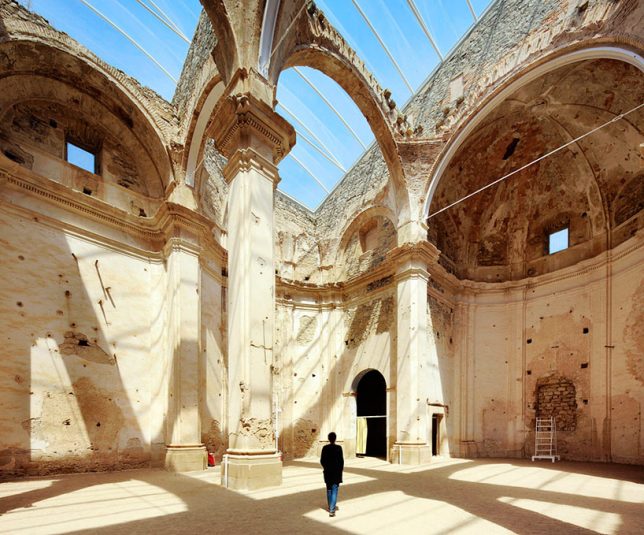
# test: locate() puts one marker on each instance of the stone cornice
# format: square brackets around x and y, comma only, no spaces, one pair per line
[243,120]
[421,255]
[413,259]
[331,295]
[170,220]
[580,269]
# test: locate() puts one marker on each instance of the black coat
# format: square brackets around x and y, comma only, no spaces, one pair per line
[332,462]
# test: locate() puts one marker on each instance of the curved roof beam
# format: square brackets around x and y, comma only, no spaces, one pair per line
[164,19]
[331,106]
[225,53]
[312,134]
[421,22]
[310,173]
[384,46]
[469,4]
[320,151]
[129,38]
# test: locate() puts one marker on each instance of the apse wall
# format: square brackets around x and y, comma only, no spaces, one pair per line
[566,345]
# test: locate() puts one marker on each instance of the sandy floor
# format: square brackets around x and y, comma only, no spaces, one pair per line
[449,496]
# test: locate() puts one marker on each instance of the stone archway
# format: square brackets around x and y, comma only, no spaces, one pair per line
[371,401]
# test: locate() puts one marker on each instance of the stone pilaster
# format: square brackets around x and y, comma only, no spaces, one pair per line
[413,358]
[184,449]
[254,139]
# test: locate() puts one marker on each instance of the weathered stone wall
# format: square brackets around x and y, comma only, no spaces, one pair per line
[297,248]
[556,398]
[213,194]
[302,377]
[365,185]
[527,353]
[34,134]
[77,352]
[366,247]
[193,77]
[322,349]
[213,380]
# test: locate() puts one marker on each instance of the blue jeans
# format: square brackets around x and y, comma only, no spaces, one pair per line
[332,496]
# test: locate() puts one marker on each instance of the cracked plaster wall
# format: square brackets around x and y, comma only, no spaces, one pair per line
[213,380]
[557,334]
[77,352]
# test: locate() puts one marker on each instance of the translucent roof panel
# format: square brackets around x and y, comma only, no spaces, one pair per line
[400,41]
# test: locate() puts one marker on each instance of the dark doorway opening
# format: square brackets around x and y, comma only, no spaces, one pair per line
[372,407]
[436,422]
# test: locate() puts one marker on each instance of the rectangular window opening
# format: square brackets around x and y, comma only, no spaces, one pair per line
[558,241]
[80,157]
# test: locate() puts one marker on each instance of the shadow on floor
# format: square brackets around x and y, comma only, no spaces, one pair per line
[209,508]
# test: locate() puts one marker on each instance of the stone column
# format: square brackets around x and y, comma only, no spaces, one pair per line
[184,449]
[253,138]
[413,358]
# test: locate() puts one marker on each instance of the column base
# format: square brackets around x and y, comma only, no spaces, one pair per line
[410,454]
[185,458]
[251,470]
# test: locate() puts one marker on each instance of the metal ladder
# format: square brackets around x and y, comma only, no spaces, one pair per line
[545,439]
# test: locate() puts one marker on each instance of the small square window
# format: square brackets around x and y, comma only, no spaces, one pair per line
[81,158]
[558,241]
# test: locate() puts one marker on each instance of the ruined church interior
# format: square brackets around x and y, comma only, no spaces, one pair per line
[463,304]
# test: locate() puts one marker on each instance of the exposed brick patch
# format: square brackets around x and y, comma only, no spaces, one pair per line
[556,397]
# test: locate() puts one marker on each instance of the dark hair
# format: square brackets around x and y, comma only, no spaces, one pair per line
[332,437]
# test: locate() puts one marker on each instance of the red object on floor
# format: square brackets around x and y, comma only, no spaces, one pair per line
[211,459]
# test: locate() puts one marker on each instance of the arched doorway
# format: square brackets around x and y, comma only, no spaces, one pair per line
[371,402]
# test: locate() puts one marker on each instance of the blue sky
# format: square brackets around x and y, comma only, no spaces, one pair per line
[306,167]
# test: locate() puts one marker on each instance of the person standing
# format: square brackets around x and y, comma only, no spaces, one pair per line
[332,462]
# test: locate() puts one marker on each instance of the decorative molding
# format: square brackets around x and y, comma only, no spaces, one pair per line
[243,121]
[170,220]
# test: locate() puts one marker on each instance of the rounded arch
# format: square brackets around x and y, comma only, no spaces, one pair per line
[198,127]
[531,73]
[350,78]
[266,37]
[371,413]
[359,376]
[225,53]
[359,220]
[111,91]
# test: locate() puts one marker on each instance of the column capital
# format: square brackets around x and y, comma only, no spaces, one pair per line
[244,122]
[413,259]
[247,159]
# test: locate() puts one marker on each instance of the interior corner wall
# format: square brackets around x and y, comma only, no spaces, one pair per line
[443,342]
[77,347]
[321,350]
[368,343]
[581,325]
[304,337]
[213,378]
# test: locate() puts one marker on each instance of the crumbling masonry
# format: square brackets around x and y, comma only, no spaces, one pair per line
[159,307]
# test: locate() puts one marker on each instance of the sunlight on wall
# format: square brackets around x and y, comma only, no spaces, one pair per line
[51,404]
[600,522]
